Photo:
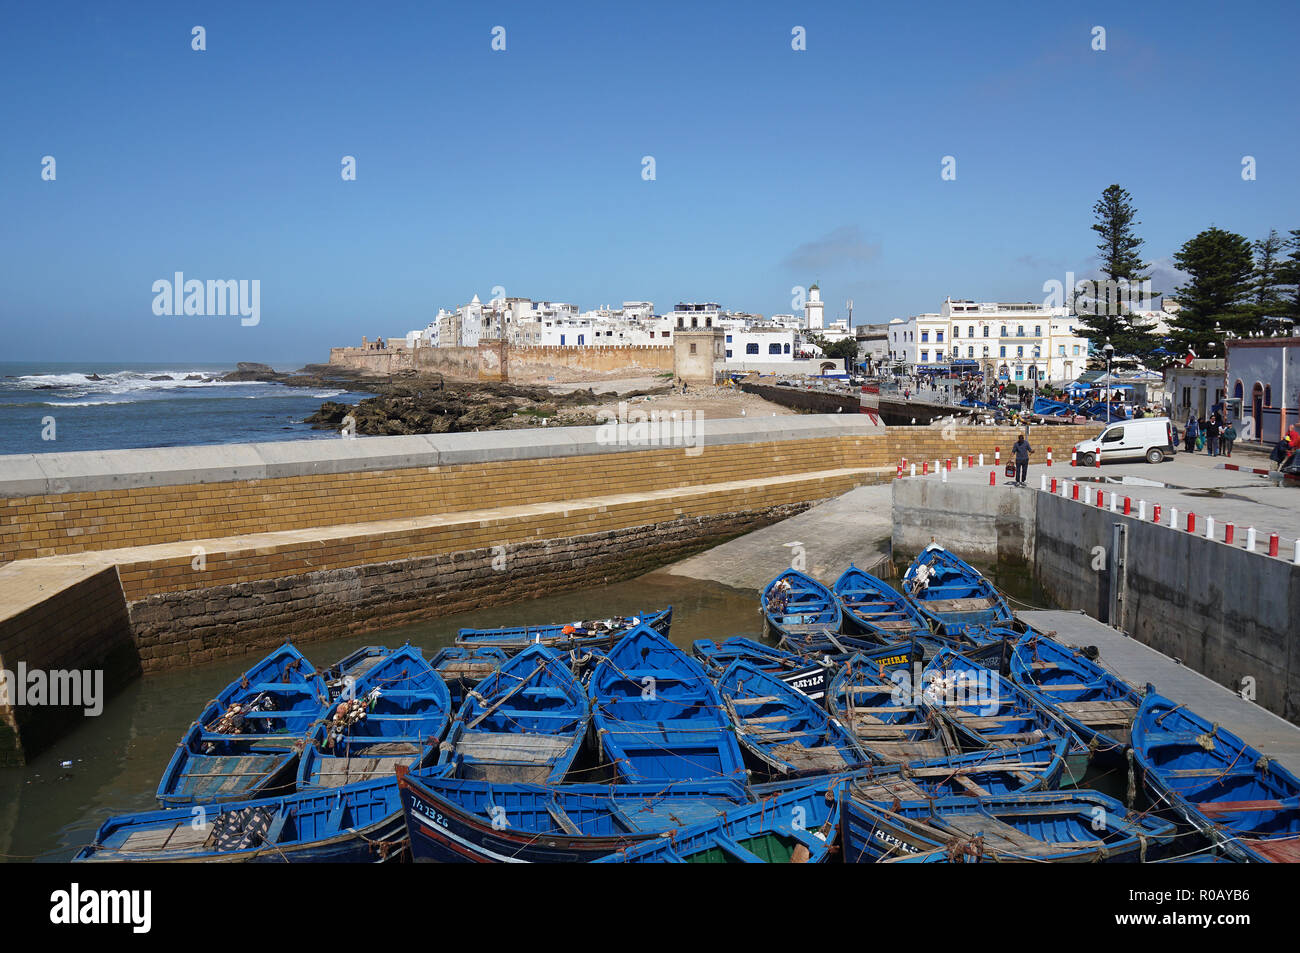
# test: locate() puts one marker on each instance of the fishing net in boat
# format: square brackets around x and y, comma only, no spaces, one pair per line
[241,830]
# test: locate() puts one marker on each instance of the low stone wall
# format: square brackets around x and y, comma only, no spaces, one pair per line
[198,625]
[78,623]
[799,398]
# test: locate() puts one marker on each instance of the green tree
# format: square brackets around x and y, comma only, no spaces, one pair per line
[1289,276]
[846,348]
[1104,314]
[1216,299]
[1269,285]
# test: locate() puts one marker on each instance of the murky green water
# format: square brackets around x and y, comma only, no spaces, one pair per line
[48,811]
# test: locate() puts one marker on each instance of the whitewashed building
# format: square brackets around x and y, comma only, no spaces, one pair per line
[1006,341]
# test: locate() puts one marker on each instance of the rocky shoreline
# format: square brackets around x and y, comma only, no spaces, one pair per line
[416,403]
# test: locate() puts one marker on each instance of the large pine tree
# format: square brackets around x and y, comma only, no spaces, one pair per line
[1104,316]
[1220,269]
[1289,276]
[1269,284]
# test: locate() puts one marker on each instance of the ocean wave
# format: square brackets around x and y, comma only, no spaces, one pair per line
[119,382]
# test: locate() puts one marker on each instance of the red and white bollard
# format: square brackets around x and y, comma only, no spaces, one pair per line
[1209,527]
[970,460]
[1049,456]
[925,468]
[1155,513]
[1075,493]
[992,480]
[1098,458]
[1250,539]
[1100,499]
[1142,510]
[997,456]
[948,465]
[1053,486]
[1227,533]
[1272,544]
[1191,522]
[1128,506]
[900,467]
[1074,456]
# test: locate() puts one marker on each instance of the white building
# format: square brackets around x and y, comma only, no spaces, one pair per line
[1006,341]
[813,309]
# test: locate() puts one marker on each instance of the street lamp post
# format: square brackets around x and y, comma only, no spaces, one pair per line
[1109,349]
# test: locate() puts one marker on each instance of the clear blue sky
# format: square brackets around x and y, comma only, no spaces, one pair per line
[523,168]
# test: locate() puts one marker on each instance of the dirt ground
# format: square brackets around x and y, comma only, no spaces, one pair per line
[711,402]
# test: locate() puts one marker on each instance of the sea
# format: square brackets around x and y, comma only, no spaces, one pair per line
[59,407]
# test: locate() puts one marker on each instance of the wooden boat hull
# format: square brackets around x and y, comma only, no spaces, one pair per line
[1096,704]
[871,607]
[795,604]
[452,821]
[363,824]
[658,717]
[517,638]
[783,728]
[799,826]
[1247,805]
[1056,827]
[956,596]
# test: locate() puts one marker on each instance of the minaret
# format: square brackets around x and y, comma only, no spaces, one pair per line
[812,309]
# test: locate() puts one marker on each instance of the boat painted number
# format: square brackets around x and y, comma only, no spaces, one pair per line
[430,813]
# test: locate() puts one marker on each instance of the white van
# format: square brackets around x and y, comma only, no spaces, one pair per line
[1151,438]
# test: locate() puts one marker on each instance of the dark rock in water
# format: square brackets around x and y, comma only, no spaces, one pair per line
[94,377]
[163,377]
[251,371]
[197,377]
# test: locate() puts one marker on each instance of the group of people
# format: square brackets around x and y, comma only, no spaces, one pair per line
[1215,434]
[1284,452]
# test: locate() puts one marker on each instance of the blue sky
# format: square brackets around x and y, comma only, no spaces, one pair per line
[522,169]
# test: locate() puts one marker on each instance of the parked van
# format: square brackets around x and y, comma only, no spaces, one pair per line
[1152,438]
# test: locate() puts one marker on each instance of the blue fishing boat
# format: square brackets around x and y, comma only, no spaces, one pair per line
[343,673]
[1052,826]
[797,827]
[463,668]
[524,723]
[247,740]
[876,703]
[582,634]
[658,716]
[452,820]
[795,605]
[1097,705]
[782,727]
[952,594]
[873,608]
[1035,767]
[1246,804]
[357,824]
[395,713]
[716,656]
[986,709]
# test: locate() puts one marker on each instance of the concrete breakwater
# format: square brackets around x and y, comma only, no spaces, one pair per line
[226,550]
[1224,612]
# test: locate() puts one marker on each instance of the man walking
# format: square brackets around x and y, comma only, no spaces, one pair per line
[1021,451]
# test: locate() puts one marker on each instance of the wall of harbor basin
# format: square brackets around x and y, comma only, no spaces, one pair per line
[83,626]
[1222,611]
[188,627]
[1226,613]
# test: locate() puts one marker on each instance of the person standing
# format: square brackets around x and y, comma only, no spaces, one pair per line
[1021,451]
[1190,434]
[1229,435]
[1212,435]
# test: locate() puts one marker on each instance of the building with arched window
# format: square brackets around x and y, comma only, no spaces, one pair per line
[1262,378]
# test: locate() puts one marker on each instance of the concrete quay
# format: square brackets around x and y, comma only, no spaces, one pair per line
[1140,665]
